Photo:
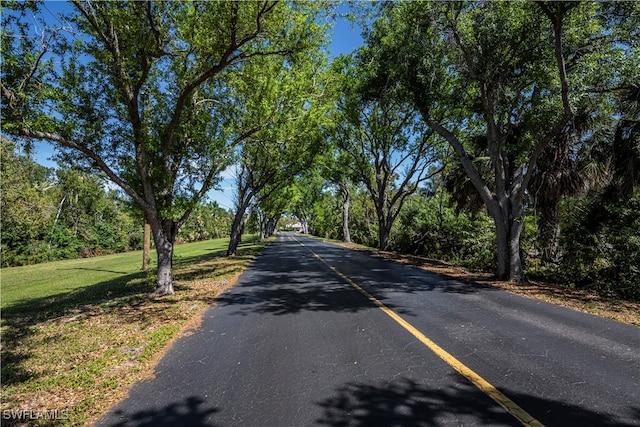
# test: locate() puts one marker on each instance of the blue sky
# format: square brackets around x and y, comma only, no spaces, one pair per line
[345,38]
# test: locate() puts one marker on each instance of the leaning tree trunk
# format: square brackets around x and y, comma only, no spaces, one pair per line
[346,235]
[237,228]
[164,235]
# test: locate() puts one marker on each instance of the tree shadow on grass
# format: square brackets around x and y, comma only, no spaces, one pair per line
[124,294]
[20,319]
[404,402]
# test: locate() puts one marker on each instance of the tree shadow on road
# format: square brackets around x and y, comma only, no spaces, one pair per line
[407,403]
[288,281]
[392,274]
[190,412]
[289,299]
[284,282]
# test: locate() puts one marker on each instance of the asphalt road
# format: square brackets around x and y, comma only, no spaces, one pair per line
[295,344]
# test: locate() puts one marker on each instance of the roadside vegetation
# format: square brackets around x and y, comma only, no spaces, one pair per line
[598,249]
[603,304]
[501,137]
[65,213]
[77,333]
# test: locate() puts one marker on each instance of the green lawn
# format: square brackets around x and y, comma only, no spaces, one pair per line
[31,282]
[77,333]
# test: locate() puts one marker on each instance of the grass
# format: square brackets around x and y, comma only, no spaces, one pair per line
[77,333]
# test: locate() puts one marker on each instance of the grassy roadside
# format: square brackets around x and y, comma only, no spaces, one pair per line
[577,299]
[77,333]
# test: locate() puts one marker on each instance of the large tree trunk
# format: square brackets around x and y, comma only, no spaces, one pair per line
[263,229]
[384,231]
[385,242]
[164,235]
[237,228]
[508,231]
[236,233]
[346,235]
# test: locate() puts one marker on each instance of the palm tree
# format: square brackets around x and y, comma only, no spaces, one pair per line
[571,165]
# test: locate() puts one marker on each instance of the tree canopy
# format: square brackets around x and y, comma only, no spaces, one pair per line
[140,91]
[517,121]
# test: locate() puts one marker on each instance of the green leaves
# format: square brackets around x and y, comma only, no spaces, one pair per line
[150,81]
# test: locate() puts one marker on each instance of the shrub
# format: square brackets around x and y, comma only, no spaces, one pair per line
[600,244]
[429,226]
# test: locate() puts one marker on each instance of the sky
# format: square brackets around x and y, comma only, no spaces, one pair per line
[345,38]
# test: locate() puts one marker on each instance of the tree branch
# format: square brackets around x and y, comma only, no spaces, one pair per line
[466,162]
[52,137]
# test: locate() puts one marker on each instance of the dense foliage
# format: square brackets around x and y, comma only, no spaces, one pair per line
[429,225]
[498,135]
[66,213]
[55,214]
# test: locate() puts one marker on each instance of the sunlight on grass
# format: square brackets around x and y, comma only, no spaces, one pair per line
[77,333]
[42,280]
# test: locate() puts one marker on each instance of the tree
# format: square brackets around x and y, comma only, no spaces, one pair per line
[25,208]
[338,171]
[286,100]
[138,90]
[391,151]
[495,70]
[334,164]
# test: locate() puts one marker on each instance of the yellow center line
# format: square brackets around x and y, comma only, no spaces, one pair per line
[500,398]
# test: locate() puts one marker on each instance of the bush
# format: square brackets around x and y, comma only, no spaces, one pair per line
[429,226]
[600,244]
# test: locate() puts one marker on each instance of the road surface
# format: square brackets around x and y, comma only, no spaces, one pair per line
[314,334]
